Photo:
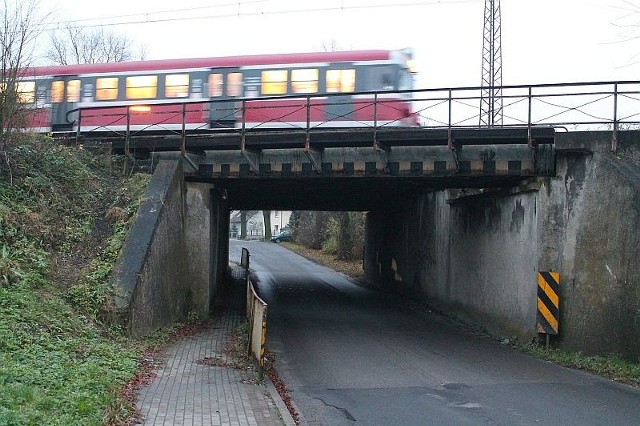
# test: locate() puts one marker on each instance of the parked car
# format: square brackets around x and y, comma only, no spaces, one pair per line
[284,235]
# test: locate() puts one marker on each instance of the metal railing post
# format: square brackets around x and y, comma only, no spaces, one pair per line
[307,139]
[128,134]
[244,125]
[529,139]
[449,138]
[375,119]
[183,146]
[614,139]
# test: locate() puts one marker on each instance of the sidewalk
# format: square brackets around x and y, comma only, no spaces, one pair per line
[194,386]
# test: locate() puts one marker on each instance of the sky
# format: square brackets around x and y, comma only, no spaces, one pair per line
[543,41]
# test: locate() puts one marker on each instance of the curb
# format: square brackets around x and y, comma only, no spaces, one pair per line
[280,405]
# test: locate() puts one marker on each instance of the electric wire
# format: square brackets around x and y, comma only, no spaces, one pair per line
[241,14]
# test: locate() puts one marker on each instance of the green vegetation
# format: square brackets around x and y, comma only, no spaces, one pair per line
[59,365]
[340,234]
[611,367]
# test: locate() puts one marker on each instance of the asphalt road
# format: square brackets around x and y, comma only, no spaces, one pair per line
[352,355]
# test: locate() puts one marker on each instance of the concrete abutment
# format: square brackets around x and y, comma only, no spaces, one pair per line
[477,256]
[170,266]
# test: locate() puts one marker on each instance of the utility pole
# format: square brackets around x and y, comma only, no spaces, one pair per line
[491,96]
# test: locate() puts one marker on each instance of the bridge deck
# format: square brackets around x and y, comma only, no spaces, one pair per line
[260,139]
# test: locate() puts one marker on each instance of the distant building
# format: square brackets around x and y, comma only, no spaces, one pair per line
[255,223]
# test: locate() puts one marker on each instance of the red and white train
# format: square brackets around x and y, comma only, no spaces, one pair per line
[225,92]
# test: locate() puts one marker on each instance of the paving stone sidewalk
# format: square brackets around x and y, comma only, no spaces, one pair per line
[192,388]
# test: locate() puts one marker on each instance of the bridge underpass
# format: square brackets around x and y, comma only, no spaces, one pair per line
[464,228]
[473,251]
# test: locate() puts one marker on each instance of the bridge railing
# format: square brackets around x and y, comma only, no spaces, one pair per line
[572,106]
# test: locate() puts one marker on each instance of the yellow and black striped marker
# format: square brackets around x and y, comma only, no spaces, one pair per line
[548,302]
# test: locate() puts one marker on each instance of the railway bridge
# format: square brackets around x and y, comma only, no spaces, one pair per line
[462,217]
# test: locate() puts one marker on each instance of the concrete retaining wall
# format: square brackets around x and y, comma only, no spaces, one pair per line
[477,256]
[589,232]
[474,257]
[162,276]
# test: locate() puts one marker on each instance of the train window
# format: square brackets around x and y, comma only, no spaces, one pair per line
[215,85]
[341,80]
[57,92]
[274,82]
[107,88]
[142,87]
[304,80]
[176,85]
[234,84]
[380,78]
[41,95]
[73,91]
[26,91]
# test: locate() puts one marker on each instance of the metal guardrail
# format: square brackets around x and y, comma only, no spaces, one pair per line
[609,106]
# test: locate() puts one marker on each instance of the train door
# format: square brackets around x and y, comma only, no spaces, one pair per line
[65,95]
[225,87]
[340,80]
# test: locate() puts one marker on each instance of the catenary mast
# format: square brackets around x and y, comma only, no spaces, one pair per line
[491,96]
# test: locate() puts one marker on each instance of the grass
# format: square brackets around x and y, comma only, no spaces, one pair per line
[351,268]
[59,365]
[611,367]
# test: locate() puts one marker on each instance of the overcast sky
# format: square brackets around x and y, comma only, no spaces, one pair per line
[543,41]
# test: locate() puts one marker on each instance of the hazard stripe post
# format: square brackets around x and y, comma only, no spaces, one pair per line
[548,302]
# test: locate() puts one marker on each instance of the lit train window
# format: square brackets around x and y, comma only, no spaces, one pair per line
[57,92]
[73,91]
[304,81]
[26,91]
[341,81]
[234,84]
[215,85]
[142,86]
[176,86]
[274,82]
[107,88]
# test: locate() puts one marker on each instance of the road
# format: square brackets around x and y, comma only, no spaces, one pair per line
[352,355]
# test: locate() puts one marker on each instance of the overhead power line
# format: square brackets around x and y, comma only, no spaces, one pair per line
[155,17]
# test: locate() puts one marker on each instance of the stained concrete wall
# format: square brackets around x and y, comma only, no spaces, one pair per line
[589,232]
[162,275]
[477,256]
[473,257]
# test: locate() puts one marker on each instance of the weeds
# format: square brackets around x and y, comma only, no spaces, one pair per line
[58,365]
[611,367]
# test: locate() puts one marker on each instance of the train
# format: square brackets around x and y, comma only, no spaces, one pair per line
[320,89]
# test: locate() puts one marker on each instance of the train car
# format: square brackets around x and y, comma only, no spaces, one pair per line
[322,89]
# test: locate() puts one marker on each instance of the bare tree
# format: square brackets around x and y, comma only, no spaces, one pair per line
[76,45]
[20,25]
[330,46]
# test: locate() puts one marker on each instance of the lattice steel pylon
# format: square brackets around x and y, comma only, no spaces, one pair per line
[491,97]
